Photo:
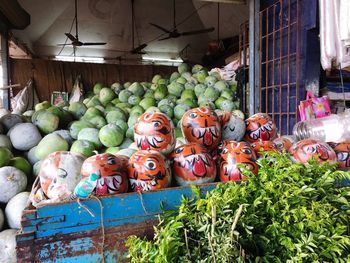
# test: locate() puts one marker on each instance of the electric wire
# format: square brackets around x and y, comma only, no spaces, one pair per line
[65,42]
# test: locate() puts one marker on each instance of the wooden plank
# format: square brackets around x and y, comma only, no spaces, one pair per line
[57,75]
[84,246]
[71,217]
[117,210]
[69,233]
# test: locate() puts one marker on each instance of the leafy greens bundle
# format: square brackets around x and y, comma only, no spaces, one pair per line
[287,213]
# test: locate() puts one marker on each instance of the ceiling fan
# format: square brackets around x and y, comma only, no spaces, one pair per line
[75,39]
[138,49]
[174,33]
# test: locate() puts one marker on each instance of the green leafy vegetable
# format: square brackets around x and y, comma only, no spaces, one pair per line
[287,213]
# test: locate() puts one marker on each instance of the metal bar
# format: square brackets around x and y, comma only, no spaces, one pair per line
[244,65]
[277,30]
[241,62]
[260,53]
[273,58]
[297,60]
[279,58]
[277,85]
[240,45]
[281,61]
[282,113]
[267,82]
[254,63]
[289,60]
[288,64]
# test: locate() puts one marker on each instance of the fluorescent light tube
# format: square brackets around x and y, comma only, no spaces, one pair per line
[178,60]
[71,58]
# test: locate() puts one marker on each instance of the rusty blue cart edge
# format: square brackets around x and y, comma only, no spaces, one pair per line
[71,232]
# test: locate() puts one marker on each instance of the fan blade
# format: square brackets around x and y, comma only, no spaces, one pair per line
[160,27]
[71,37]
[165,38]
[67,44]
[195,32]
[93,43]
[138,49]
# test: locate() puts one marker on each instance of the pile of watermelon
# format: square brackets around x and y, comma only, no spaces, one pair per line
[102,122]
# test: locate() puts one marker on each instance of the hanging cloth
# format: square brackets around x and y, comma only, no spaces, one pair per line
[334,32]
[26,99]
[344,25]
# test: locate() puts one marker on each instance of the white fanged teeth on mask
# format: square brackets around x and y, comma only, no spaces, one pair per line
[152,140]
[158,139]
[205,159]
[202,131]
[255,134]
[181,161]
[137,183]
[214,131]
[268,126]
[197,157]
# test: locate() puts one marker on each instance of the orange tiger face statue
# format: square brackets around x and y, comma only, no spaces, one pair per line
[342,150]
[304,150]
[155,131]
[148,170]
[112,171]
[192,164]
[261,145]
[202,126]
[233,153]
[284,143]
[260,126]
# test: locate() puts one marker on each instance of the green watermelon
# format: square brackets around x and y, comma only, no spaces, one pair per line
[47,122]
[83,147]
[91,135]
[49,144]
[111,135]
[77,109]
[106,95]
[136,89]
[76,126]
[21,164]
[5,156]
[147,102]
[97,88]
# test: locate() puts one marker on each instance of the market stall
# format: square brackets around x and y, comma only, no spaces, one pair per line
[216,139]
